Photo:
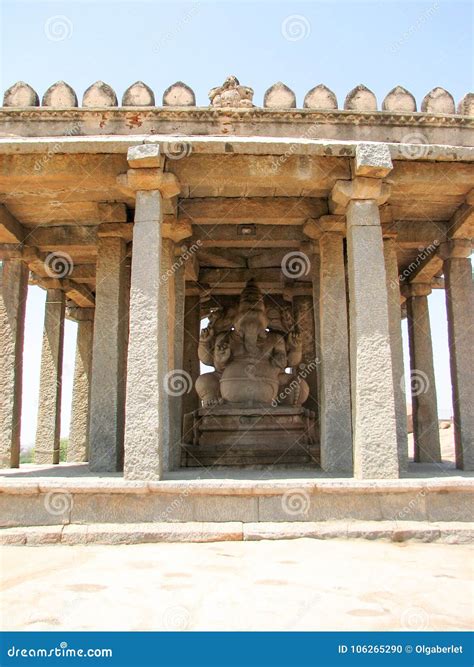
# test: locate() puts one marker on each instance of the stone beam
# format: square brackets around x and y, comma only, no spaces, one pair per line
[65,237]
[238,277]
[11,231]
[228,236]
[264,210]
[461,225]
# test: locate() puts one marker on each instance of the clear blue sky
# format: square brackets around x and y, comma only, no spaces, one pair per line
[419,45]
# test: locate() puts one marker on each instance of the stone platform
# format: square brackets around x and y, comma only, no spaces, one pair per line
[68,495]
[243,436]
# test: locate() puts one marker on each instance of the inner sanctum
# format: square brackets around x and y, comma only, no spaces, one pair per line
[238,275]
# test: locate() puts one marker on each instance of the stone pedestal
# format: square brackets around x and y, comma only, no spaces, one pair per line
[49,408]
[396,344]
[373,403]
[423,386]
[146,424]
[460,311]
[335,420]
[13,293]
[78,447]
[233,435]
[109,357]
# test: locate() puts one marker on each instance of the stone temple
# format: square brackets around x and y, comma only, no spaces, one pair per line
[239,275]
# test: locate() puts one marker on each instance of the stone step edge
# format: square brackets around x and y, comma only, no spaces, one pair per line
[140,533]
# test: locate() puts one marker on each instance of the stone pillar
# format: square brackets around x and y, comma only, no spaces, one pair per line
[176,401]
[396,344]
[13,293]
[191,365]
[109,357]
[335,425]
[173,382]
[304,317]
[49,408]
[78,447]
[460,312]
[146,405]
[373,402]
[423,387]
[151,344]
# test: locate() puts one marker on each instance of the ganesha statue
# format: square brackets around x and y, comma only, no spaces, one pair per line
[251,353]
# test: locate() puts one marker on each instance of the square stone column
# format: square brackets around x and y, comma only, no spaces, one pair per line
[176,401]
[335,423]
[191,365]
[147,408]
[13,293]
[78,446]
[396,344]
[460,312]
[373,401]
[152,310]
[49,408]
[304,319]
[423,386]
[109,357]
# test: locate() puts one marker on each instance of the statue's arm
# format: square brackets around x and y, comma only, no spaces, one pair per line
[279,353]
[294,349]
[206,347]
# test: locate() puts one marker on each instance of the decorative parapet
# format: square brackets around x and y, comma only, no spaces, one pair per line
[233,96]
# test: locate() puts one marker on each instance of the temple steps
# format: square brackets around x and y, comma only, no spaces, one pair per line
[140,533]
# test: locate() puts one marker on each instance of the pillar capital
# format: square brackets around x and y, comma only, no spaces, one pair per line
[455,249]
[372,160]
[80,314]
[415,289]
[326,224]
[146,172]
[360,187]
[122,230]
